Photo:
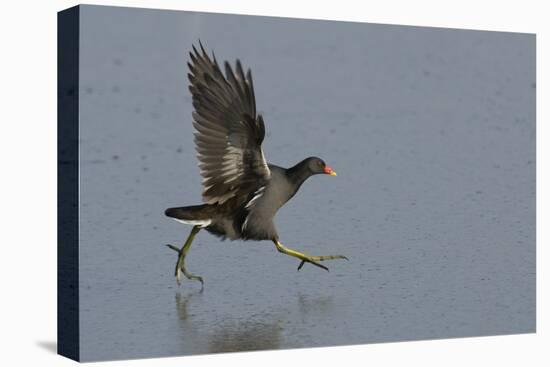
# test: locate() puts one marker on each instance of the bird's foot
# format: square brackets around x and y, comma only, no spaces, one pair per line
[314,260]
[306,258]
[180,267]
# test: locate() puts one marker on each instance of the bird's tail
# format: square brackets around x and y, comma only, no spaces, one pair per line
[197,215]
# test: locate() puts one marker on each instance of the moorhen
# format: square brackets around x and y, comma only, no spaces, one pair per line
[241,191]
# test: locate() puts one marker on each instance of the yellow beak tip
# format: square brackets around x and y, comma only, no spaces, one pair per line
[333,173]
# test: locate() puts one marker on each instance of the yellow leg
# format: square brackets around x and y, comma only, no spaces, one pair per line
[180,264]
[306,258]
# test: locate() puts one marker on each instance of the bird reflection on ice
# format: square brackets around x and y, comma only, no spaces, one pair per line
[232,335]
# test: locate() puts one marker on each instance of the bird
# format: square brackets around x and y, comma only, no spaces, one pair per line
[241,191]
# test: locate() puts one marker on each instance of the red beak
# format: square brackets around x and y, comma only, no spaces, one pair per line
[329,171]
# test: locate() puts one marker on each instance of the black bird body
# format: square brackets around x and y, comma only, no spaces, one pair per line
[241,191]
[249,217]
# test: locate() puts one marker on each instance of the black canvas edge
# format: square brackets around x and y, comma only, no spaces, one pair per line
[68,330]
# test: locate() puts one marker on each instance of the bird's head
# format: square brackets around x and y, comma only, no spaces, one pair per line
[318,166]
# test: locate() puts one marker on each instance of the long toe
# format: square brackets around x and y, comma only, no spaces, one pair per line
[329,257]
[178,276]
[194,277]
[313,262]
[173,248]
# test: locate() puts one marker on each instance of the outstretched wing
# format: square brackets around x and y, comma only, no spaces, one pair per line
[228,133]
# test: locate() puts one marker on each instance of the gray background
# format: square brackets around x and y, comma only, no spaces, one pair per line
[431,131]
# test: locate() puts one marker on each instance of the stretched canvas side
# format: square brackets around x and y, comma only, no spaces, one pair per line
[67,171]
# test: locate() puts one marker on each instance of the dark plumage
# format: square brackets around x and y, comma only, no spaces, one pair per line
[241,191]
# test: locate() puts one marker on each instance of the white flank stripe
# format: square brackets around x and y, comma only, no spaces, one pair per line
[243,228]
[258,194]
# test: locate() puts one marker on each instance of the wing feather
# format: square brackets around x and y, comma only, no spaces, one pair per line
[229,134]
